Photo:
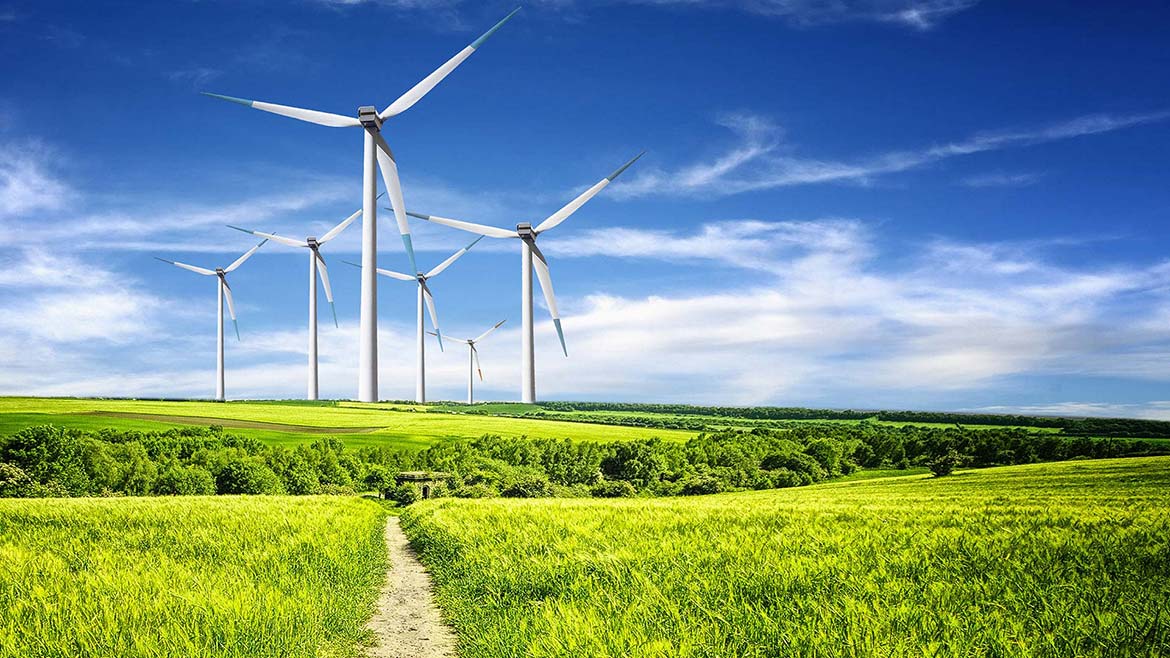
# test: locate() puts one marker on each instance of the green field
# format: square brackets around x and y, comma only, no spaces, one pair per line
[290,423]
[229,576]
[1061,559]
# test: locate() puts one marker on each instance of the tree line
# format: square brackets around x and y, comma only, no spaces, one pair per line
[53,461]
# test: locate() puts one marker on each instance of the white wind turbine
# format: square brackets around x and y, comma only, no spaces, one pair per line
[222,290]
[377,155]
[316,266]
[473,359]
[425,297]
[527,235]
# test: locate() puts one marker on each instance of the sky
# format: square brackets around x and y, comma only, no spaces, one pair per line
[911,204]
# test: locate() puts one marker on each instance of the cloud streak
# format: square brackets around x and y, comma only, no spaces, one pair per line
[757,160]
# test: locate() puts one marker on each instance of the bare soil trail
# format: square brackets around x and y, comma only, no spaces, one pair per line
[407,623]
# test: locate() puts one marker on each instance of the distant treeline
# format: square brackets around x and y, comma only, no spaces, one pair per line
[1103,427]
[52,461]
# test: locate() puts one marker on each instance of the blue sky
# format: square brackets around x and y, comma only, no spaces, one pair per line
[930,204]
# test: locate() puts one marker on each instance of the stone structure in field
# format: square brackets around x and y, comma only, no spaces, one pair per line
[424,480]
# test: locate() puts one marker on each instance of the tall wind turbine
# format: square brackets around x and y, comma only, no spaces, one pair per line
[223,290]
[527,235]
[473,360]
[316,267]
[425,297]
[377,155]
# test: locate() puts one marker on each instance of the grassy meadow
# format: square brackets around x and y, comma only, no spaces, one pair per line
[404,426]
[158,577]
[1053,560]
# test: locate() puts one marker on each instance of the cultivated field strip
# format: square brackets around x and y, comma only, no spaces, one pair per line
[1054,560]
[237,577]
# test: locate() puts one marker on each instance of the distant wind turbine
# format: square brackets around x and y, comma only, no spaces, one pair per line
[425,296]
[222,290]
[377,155]
[473,359]
[527,235]
[316,266]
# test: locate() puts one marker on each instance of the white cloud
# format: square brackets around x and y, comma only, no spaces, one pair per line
[26,182]
[1001,179]
[1153,410]
[757,161]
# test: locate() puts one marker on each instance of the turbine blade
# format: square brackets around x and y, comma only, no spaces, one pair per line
[485,334]
[396,275]
[227,294]
[248,254]
[272,236]
[479,368]
[428,83]
[541,266]
[336,230]
[454,257]
[389,170]
[489,231]
[572,207]
[191,268]
[430,300]
[312,116]
[323,272]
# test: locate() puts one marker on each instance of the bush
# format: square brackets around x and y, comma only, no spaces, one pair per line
[246,476]
[945,464]
[15,483]
[613,489]
[479,490]
[528,485]
[404,494]
[701,485]
[179,480]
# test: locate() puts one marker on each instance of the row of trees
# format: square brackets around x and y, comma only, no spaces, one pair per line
[51,461]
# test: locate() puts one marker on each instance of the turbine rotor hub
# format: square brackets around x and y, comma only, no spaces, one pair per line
[525,231]
[313,244]
[368,115]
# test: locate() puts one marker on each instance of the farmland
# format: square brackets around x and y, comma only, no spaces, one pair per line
[403,426]
[1060,559]
[236,577]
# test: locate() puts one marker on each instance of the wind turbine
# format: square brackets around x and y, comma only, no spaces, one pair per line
[377,155]
[222,290]
[425,296]
[473,360]
[316,266]
[527,235]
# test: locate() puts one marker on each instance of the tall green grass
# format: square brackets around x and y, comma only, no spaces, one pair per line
[231,577]
[1065,559]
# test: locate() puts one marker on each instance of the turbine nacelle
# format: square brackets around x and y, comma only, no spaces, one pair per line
[525,231]
[368,116]
[313,244]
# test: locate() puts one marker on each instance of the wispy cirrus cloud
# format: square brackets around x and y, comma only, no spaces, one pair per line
[1002,179]
[758,162]
[27,182]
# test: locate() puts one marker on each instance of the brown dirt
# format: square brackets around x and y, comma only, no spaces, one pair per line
[407,623]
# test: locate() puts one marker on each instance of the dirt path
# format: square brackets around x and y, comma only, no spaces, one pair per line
[407,623]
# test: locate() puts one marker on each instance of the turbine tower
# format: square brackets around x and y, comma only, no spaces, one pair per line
[376,155]
[473,359]
[223,290]
[316,267]
[528,249]
[425,297]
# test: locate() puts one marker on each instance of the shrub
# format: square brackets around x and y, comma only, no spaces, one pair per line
[527,485]
[404,494]
[945,464]
[179,480]
[15,483]
[479,490]
[613,489]
[701,485]
[246,476]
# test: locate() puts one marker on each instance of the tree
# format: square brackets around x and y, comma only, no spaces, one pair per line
[247,476]
[179,480]
[528,485]
[945,464]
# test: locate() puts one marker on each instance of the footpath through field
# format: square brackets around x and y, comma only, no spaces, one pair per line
[407,623]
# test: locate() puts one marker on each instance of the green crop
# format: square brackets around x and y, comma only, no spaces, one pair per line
[1062,559]
[225,577]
